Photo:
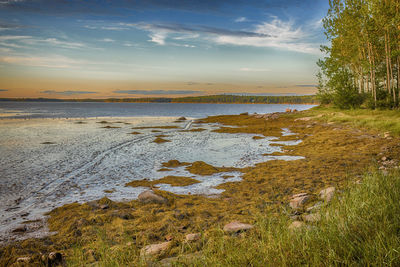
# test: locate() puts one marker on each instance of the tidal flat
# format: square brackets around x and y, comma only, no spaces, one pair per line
[226,174]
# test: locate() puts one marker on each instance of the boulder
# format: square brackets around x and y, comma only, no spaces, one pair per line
[155,249]
[298,200]
[234,227]
[150,197]
[192,237]
[327,193]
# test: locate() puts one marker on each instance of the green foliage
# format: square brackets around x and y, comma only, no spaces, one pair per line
[364,45]
[345,94]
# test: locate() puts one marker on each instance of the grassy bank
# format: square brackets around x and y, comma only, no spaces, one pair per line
[361,227]
[377,120]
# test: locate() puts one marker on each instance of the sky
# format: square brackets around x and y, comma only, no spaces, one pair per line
[151,48]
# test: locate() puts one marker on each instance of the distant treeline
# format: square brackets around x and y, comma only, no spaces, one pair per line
[216,99]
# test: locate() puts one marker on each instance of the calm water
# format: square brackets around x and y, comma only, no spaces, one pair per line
[79,110]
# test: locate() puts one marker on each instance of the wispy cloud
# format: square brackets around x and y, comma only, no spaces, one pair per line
[49,61]
[107,40]
[275,33]
[156,92]
[241,19]
[21,41]
[53,92]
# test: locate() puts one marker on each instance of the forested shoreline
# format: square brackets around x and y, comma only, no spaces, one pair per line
[362,66]
[213,99]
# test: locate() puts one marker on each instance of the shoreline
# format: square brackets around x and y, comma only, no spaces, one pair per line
[273,181]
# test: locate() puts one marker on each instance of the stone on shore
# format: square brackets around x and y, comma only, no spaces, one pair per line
[192,237]
[298,200]
[235,227]
[327,194]
[155,249]
[150,197]
[20,229]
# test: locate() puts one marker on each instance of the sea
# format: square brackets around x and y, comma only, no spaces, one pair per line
[103,109]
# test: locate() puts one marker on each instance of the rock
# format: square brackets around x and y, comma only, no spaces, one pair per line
[316,206]
[303,119]
[181,119]
[150,197]
[20,229]
[384,158]
[386,135]
[24,260]
[54,258]
[296,225]
[327,193]
[192,237]
[234,227]
[155,249]
[313,217]
[298,200]
[104,206]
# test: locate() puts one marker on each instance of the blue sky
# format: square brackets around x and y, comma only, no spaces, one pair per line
[58,48]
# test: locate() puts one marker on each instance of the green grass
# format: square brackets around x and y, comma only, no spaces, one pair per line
[362,229]
[378,120]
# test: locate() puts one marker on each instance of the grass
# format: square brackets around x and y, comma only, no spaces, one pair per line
[377,120]
[359,228]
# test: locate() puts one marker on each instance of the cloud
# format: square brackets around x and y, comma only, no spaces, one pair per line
[50,61]
[108,40]
[241,19]
[156,92]
[254,70]
[6,26]
[3,90]
[52,92]
[21,41]
[274,34]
